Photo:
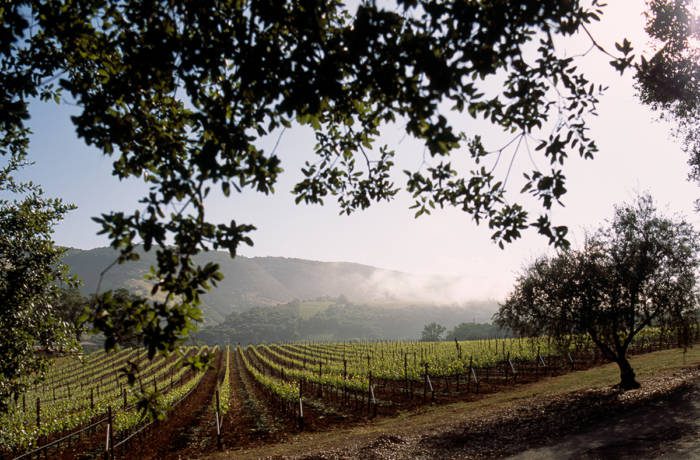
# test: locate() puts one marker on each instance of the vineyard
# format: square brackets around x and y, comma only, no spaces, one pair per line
[253,394]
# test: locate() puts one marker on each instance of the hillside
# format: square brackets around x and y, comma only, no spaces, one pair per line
[337,320]
[266,281]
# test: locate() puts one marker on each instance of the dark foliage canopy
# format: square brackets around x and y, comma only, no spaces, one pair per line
[476,331]
[71,307]
[669,79]
[179,93]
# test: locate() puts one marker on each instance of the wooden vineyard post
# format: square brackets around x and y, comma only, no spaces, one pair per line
[124,397]
[111,432]
[24,403]
[544,364]
[505,366]
[571,360]
[431,388]
[425,381]
[371,394]
[345,381]
[512,368]
[38,412]
[301,406]
[320,379]
[405,372]
[472,374]
[92,399]
[369,391]
[374,403]
[218,421]
[469,373]
[109,438]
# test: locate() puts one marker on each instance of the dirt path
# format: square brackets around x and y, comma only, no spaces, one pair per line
[669,428]
[196,432]
[170,437]
[248,421]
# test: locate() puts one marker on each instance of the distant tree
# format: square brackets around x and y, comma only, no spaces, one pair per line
[432,332]
[71,306]
[474,331]
[125,318]
[30,271]
[636,272]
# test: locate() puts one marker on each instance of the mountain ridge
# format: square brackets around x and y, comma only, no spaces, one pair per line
[271,280]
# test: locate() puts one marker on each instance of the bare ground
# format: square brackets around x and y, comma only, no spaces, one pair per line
[668,428]
[167,439]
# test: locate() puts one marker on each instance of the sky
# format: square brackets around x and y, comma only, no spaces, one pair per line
[637,154]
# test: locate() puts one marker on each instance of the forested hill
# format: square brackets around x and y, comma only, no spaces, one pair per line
[337,319]
[266,281]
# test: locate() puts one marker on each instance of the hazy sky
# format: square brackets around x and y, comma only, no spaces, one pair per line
[637,153]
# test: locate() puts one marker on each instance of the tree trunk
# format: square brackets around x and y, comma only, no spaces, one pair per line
[627,377]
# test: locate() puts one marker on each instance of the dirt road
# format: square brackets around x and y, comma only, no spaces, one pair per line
[666,429]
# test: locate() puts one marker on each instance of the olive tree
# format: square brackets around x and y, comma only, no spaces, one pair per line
[71,306]
[636,272]
[30,269]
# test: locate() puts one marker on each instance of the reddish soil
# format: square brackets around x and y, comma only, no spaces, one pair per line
[286,423]
[252,419]
[169,438]
[249,420]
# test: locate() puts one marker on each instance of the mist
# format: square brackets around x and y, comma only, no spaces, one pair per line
[387,287]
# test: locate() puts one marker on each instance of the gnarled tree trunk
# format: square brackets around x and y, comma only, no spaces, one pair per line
[628,380]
